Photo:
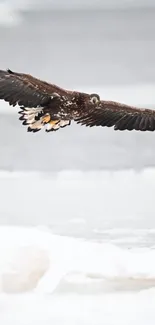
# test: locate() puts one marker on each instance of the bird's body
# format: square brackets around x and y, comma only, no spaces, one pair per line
[44,105]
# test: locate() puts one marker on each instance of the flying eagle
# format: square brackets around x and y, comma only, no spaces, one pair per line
[45,105]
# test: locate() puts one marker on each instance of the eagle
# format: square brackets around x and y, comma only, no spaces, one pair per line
[46,106]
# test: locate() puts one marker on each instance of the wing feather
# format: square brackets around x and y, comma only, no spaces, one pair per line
[25,90]
[121,116]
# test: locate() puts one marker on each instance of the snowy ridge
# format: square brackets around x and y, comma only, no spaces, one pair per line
[49,279]
[74,187]
[35,259]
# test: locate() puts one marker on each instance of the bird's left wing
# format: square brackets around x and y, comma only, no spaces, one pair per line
[121,116]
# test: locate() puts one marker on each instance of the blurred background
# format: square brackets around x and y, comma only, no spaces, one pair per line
[86,193]
[104,46]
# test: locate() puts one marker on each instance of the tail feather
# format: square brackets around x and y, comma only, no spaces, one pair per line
[36,119]
[51,126]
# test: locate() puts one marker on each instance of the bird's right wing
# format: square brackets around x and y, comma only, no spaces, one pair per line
[25,90]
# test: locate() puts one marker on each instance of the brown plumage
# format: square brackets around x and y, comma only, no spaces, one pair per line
[44,104]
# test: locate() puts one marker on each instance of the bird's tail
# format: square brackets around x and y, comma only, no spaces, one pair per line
[36,119]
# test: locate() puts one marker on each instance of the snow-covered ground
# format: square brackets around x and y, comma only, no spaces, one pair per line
[47,278]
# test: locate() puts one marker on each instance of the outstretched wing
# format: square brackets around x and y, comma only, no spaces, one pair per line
[25,90]
[121,116]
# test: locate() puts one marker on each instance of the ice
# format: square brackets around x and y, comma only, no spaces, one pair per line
[48,278]
[31,258]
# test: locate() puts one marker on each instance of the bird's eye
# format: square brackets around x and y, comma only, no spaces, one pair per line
[95,99]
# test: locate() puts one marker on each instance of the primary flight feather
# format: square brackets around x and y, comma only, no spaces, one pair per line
[44,105]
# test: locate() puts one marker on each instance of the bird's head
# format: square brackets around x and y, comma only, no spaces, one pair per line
[94,99]
[88,100]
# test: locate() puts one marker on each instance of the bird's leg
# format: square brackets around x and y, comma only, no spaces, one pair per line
[46,118]
[53,122]
[53,125]
[50,124]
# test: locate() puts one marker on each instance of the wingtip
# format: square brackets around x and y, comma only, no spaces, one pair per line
[29,129]
[4,72]
[9,71]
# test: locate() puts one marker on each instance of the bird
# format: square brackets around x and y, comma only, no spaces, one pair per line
[46,106]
